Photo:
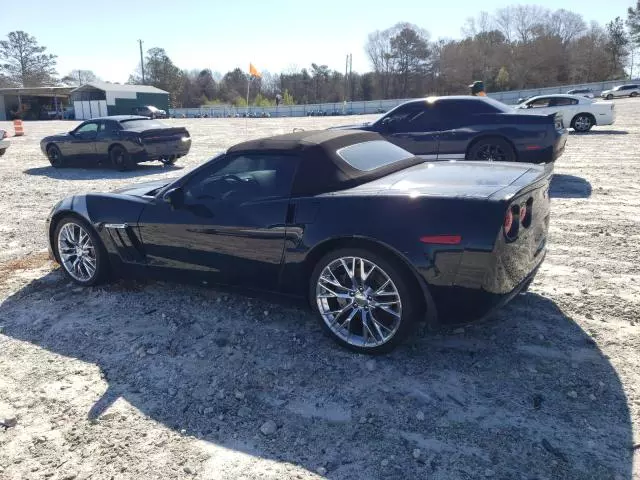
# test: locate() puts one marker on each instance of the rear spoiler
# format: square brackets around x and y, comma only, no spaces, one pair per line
[162,131]
[535,177]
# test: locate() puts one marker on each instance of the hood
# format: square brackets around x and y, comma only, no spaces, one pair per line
[140,189]
[467,179]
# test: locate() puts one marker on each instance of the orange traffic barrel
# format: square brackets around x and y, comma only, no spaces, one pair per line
[17,126]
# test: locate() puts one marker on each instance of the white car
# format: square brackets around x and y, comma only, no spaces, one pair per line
[631,90]
[4,144]
[579,113]
[583,92]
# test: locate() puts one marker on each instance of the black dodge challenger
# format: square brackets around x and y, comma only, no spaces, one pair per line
[122,140]
[373,236]
[472,128]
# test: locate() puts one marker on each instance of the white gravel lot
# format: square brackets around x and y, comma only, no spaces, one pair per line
[165,381]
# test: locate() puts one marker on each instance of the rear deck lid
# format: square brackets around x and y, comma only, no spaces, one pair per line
[457,179]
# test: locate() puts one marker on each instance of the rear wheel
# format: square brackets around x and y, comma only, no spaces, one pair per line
[582,122]
[492,149]
[120,158]
[2,152]
[363,301]
[55,156]
[80,252]
[634,94]
[168,161]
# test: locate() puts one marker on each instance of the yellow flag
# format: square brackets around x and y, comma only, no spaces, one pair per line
[254,71]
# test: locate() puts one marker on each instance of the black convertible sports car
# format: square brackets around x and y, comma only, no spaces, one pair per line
[373,236]
[123,140]
[472,128]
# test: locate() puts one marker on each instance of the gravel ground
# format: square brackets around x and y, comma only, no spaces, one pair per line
[163,381]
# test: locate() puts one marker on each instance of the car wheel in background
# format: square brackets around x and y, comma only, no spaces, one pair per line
[609,97]
[363,301]
[492,149]
[55,156]
[168,161]
[120,158]
[582,123]
[634,94]
[2,151]
[80,251]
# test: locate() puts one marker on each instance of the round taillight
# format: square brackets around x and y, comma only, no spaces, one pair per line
[508,221]
[523,213]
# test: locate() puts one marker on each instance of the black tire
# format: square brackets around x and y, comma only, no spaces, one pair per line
[55,156]
[609,97]
[492,149]
[169,161]
[120,158]
[408,304]
[633,94]
[582,123]
[102,267]
[2,152]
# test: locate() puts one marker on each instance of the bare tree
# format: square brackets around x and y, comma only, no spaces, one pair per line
[79,77]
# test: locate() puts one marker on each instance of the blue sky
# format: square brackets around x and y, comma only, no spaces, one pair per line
[222,35]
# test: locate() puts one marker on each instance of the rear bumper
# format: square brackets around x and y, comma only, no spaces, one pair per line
[461,305]
[157,152]
[546,154]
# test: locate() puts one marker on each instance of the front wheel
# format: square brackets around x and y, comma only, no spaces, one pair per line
[55,156]
[582,123]
[168,161]
[2,152]
[363,301]
[609,97]
[120,158]
[80,252]
[492,150]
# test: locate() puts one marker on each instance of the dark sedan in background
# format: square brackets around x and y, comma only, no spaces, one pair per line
[445,241]
[123,141]
[472,128]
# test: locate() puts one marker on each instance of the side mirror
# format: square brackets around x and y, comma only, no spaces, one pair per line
[174,197]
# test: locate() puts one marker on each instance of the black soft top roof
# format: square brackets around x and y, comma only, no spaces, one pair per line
[321,169]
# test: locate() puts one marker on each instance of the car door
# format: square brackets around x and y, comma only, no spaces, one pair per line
[414,127]
[83,140]
[566,105]
[228,227]
[461,120]
[107,132]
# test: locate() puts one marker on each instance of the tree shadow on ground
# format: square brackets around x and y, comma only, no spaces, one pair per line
[513,395]
[101,172]
[569,186]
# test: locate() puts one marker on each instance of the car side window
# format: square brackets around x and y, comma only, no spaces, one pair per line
[243,178]
[413,117]
[91,127]
[562,102]
[539,103]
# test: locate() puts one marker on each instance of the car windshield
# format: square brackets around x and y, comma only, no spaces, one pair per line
[618,88]
[137,123]
[152,108]
[368,156]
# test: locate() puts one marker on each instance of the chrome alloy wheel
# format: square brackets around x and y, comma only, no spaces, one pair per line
[77,252]
[582,123]
[359,302]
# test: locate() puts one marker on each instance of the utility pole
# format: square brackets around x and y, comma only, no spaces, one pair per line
[141,61]
[351,75]
[346,79]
